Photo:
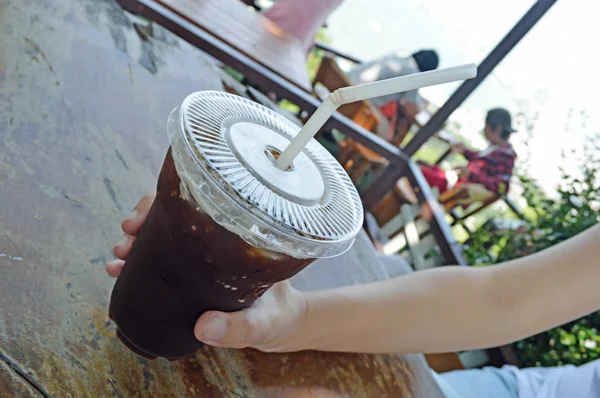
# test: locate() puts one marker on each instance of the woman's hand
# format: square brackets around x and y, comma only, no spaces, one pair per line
[273,324]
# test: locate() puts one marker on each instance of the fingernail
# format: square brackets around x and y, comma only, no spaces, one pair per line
[214,329]
[122,241]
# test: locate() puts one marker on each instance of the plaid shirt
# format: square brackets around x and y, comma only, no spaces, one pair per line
[492,167]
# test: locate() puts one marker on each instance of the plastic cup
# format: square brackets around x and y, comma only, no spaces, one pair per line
[226,223]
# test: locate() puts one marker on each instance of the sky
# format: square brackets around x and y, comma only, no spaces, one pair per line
[552,72]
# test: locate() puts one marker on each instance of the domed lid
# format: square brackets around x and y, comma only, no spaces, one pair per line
[311,209]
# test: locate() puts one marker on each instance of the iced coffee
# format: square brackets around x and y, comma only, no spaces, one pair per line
[224,227]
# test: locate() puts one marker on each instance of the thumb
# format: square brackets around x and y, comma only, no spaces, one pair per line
[231,330]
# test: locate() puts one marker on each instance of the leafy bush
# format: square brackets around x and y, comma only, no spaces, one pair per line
[549,220]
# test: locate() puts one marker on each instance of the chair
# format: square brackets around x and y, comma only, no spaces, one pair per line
[391,224]
[395,225]
[356,158]
[473,198]
[331,77]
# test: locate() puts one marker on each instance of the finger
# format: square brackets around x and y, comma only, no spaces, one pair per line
[133,223]
[123,247]
[113,268]
[231,330]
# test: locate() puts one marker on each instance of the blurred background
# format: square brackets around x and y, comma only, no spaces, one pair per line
[550,78]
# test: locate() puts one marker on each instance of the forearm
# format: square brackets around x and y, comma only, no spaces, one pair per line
[469,154]
[552,287]
[458,308]
[438,310]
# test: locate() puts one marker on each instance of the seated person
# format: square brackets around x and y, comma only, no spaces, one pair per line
[398,106]
[491,168]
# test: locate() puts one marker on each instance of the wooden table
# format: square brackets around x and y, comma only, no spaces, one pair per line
[260,75]
[251,33]
[83,107]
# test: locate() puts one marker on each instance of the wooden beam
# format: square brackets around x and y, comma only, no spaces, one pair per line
[333,51]
[382,184]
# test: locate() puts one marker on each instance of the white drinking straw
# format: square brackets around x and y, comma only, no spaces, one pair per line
[361,92]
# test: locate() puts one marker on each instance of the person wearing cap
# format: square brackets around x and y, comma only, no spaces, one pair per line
[399,106]
[490,169]
[444,309]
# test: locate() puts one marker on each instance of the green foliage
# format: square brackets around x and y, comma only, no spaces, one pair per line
[431,151]
[314,57]
[575,343]
[549,220]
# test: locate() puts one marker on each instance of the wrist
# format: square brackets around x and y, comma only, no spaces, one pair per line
[314,329]
[326,315]
[305,334]
[284,332]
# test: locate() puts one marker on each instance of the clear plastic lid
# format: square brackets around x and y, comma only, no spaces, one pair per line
[225,147]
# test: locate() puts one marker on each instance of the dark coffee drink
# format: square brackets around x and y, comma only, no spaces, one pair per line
[226,223]
[181,265]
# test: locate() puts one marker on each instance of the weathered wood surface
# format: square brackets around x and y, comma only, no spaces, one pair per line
[83,106]
[248,31]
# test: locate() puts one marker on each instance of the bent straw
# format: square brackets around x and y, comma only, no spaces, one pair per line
[361,92]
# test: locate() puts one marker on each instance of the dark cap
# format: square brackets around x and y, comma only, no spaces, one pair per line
[500,117]
[426,60]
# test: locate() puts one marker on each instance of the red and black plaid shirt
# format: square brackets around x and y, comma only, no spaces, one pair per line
[492,168]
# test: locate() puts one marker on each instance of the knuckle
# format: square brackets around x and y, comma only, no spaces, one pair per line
[248,326]
[250,331]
